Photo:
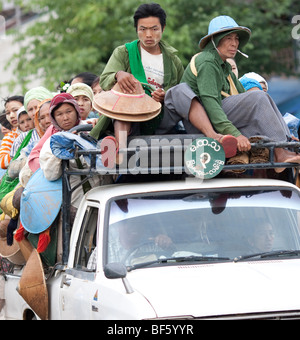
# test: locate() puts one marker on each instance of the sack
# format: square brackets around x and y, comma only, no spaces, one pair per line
[7,204]
[293,124]
[7,185]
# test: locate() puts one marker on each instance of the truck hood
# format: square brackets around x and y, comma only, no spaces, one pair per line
[223,289]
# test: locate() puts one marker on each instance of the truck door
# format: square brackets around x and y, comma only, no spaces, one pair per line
[78,287]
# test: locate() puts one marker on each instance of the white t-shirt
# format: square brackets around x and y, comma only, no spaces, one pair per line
[154,68]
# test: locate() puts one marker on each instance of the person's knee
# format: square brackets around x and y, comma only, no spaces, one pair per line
[258,96]
[178,91]
[179,100]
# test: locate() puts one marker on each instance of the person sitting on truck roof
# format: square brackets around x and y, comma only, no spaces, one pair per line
[261,80]
[42,117]
[209,82]
[9,198]
[150,60]
[147,60]
[25,123]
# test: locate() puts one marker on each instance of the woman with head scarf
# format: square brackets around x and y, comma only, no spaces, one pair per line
[255,78]
[59,123]
[36,133]
[10,181]
[25,123]
[33,97]
[12,106]
[64,115]
[42,117]
[84,96]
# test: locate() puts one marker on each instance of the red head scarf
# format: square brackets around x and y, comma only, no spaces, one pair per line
[63,98]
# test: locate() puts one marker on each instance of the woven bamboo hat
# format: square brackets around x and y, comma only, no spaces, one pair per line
[136,107]
[32,286]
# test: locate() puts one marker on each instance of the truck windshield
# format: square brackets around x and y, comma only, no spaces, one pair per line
[197,225]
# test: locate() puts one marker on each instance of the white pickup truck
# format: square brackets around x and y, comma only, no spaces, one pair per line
[187,249]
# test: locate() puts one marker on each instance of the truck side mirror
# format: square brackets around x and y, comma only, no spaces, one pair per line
[115,270]
[118,270]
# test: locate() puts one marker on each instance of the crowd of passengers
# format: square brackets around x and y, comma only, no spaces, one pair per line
[207,97]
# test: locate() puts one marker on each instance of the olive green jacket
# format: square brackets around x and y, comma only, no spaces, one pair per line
[119,61]
[210,81]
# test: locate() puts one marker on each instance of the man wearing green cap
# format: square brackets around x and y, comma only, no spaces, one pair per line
[209,82]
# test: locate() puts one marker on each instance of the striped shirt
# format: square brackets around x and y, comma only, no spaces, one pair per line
[17,143]
[6,146]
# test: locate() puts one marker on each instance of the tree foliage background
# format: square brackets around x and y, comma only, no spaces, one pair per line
[73,36]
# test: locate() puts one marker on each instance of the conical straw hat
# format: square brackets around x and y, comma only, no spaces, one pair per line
[40,203]
[137,107]
[32,286]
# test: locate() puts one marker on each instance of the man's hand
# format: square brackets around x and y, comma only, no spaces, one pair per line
[126,81]
[243,143]
[159,95]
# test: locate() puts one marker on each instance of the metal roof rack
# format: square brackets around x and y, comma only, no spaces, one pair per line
[155,155]
[147,155]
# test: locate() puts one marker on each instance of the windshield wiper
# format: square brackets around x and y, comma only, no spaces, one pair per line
[177,259]
[275,253]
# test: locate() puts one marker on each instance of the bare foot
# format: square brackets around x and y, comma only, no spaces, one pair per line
[284,156]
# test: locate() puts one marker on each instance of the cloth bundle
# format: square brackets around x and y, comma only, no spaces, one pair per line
[64,144]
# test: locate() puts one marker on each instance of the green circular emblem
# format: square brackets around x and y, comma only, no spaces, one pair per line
[204,158]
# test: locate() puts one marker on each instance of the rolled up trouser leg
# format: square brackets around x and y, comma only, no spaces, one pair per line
[178,101]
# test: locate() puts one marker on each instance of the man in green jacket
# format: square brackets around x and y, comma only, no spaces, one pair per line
[146,60]
[209,82]
[198,99]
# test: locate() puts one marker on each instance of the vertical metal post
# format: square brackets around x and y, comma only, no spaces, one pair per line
[66,206]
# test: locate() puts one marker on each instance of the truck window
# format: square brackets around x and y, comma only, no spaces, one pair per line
[87,243]
[221,225]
